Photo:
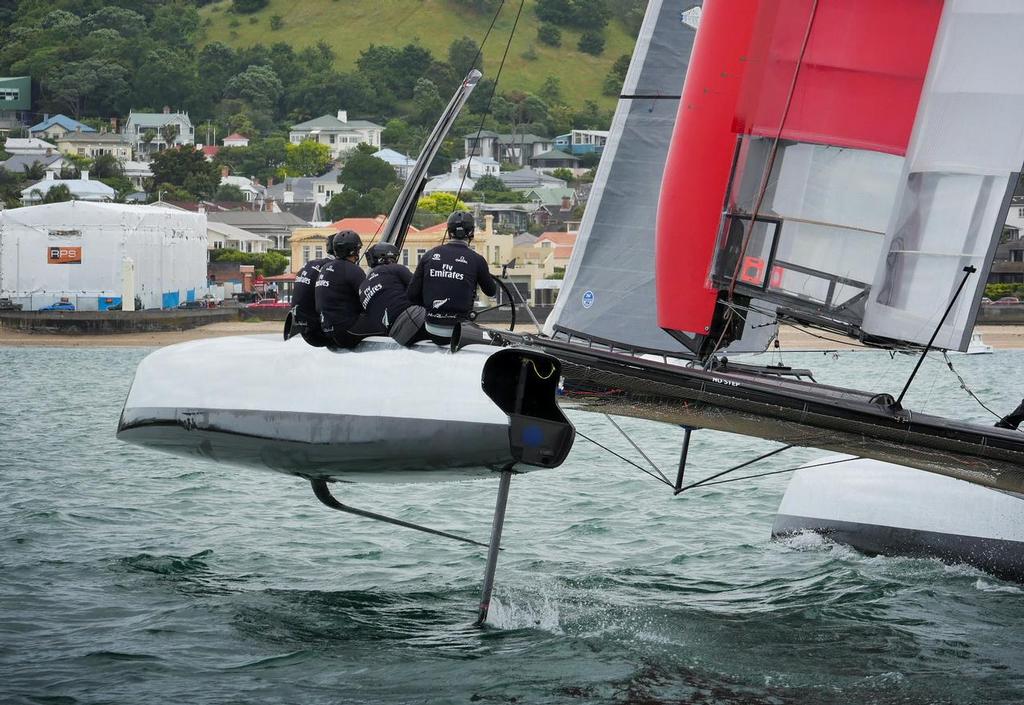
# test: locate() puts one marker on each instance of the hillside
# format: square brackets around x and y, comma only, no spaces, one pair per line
[349,26]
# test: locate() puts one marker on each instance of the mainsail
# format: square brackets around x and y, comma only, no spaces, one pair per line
[865,154]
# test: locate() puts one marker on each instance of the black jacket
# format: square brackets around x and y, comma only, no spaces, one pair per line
[383,296]
[304,290]
[337,294]
[446,279]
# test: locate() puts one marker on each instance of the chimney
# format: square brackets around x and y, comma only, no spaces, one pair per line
[566,203]
[85,175]
[343,115]
[488,225]
[167,110]
[49,176]
[224,171]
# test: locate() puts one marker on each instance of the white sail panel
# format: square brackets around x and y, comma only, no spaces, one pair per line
[965,154]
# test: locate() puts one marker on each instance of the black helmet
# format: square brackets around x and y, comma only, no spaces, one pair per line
[460,225]
[346,244]
[330,244]
[382,253]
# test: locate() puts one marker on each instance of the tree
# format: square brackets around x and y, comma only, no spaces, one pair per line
[491,184]
[591,42]
[229,192]
[56,194]
[549,34]
[564,174]
[307,158]
[106,166]
[551,91]
[440,204]
[351,204]
[363,172]
[276,22]
[428,102]
[169,132]
[464,54]
[257,85]
[186,168]
[612,84]
[554,11]
[249,6]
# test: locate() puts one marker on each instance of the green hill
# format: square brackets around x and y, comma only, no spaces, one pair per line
[349,26]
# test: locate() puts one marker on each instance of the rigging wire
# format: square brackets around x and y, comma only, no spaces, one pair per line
[970,392]
[624,459]
[635,446]
[734,468]
[490,99]
[779,472]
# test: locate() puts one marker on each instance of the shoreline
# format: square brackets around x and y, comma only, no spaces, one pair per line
[791,339]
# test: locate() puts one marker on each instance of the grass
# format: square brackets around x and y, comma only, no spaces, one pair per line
[349,26]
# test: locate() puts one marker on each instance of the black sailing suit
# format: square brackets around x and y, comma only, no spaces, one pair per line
[337,301]
[304,301]
[382,296]
[445,285]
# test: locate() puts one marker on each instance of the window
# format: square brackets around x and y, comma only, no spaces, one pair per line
[497,253]
[11,94]
[332,139]
[405,257]
[1017,255]
[419,254]
[305,254]
[218,245]
[1020,212]
[319,252]
[320,188]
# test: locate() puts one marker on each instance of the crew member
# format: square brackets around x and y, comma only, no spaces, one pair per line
[303,319]
[383,293]
[337,291]
[446,279]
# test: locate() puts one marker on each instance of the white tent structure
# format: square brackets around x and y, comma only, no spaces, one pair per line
[93,254]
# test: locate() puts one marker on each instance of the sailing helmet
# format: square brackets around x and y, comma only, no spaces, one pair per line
[460,225]
[382,253]
[346,244]
[330,245]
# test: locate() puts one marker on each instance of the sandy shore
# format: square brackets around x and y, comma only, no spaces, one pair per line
[1000,337]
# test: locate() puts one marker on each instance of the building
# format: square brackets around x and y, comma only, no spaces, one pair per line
[138,173]
[278,227]
[401,163]
[308,244]
[449,183]
[580,142]
[525,179]
[478,166]
[97,254]
[228,237]
[339,133]
[82,189]
[57,126]
[251,190]
[140,125]
[236,140]
[560,244]
[28,145]
[51,163]
[554,159]
[516,148]
[306,189]
[15,102]
[93,144]
[511,218]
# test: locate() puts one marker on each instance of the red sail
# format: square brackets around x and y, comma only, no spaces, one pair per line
[828,72]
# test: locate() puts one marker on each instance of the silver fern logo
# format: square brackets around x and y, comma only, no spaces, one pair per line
[691,17]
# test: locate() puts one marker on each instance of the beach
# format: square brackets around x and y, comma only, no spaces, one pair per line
[999,337]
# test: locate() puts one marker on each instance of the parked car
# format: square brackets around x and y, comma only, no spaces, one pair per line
[59,306]
[120,306]
[1006,301]
[8,305]
[985,301]
[267,305]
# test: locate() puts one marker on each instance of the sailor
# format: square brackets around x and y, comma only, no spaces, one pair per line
[382,294]
[303,319]
[446,279]
[1013,419]
[337,291]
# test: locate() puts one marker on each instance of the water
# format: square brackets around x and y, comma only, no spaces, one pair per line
[127,576]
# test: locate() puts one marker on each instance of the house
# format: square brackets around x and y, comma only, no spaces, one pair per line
[580,142]
[556,205]
[449,183]
[517,148]
[524,179]
[57,126]
[309,243]
[510,217]
[554,159]
[139,125]
[478,166]
[82,189]
[28,145]
[251,190]
[93,144]
[51,163]
[401,163]
[306,189]
[339,133]
[224,236]
[15,101]
[210,151]
[236,140]
[137,173]
[560,244]
[277,226]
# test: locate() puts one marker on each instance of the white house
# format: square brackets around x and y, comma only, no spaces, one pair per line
[401,163]
[250,189]
[518,148]
[225,236]
[236,140]
[449,183]
[138,124]
[339,133]
[28,145]
[82,189]
[478,166]
[137,173]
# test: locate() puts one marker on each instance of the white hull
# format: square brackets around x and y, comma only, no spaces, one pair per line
[379,413]
[881,508]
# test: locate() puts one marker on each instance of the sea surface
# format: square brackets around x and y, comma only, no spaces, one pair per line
[127,576]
